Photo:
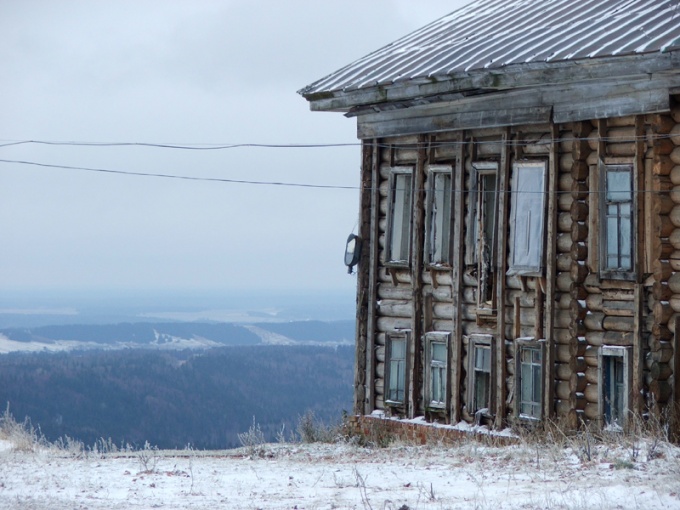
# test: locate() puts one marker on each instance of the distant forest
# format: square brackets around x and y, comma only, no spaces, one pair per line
[176,398]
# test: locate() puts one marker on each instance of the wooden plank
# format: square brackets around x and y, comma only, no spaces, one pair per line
[374,259]
[639,238]
[501,269]
[454,121]
[418,241]
[550,277]
[456,347]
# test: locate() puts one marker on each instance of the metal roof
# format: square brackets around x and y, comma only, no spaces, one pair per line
[490,34]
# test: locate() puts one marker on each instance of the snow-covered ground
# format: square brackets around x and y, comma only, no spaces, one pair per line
[323,476]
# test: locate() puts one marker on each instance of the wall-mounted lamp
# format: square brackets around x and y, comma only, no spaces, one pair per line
[352,252]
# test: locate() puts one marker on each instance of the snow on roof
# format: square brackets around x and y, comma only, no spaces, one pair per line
[487,34]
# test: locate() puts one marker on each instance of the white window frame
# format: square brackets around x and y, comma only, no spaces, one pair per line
[524,345]
[476,342]
[438,220]
[399,217]
[399,364]
[607,270]
[606,356]
[527,218]
[435,367]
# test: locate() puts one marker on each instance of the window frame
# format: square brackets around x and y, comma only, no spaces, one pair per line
[606,355]
[433,241]
[479,341]
[536,265]
[431,338]
[532,344]
[607,272]
[475,242]
[405,220]
[390,338]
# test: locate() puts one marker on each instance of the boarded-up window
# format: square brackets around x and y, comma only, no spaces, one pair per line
[436,367]
[481,232]
[616,219]
[395,373]
[438,239]
[615,380]
[399,218]
[527,220]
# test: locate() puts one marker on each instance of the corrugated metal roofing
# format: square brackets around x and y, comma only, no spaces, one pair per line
[489,34]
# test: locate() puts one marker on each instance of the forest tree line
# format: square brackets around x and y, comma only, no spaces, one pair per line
[176,398]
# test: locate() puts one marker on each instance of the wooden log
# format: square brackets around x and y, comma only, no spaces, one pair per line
[661,270]
[662,205]
[577,329]
[675,155]
[564,243]
[565,182]
[578,272]
[674,260]
[660,355]
[580,170]
[674,238]
[562,353]
[621,121]
[563,408]
[579,232]
[591,393]
[592,283]
[388,308]
[660,371]
[563,318]
[591,411]
[592,374]
[594,321]
[563,335]
[594,302]
[579,251]
[661,390]
[564,262]
[661,331]
[599,338]
[674,216]
[662,291]
[580,190]
[577,383]
[578,291]
[662,165]
[590,356]
[577,311]
[662,312]
[390,323]
[562,390]
[623,324]
[567,160]
[664,226]
[675,134]
[564,301]
[563,282]
[564,222]
[564,201]
[661,123]
[579,210]
[563,371]
[675,174]
[663,146]
[618,308]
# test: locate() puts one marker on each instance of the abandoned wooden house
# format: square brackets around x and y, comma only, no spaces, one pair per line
[520,213]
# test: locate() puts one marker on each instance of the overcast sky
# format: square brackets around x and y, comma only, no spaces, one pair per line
[187,72]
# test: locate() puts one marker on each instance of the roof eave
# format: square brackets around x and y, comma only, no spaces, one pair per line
[501,78]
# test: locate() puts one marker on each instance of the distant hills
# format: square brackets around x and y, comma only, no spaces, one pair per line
[174,335]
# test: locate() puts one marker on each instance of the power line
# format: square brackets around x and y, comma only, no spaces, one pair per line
[181,177]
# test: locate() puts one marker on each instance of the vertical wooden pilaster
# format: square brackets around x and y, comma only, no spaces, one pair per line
[457,262]
[639,239]
[551,276]
[369,400]
[501,269]
[417,249]
[363,278]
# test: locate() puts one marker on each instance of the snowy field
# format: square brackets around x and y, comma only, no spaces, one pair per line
[636,474]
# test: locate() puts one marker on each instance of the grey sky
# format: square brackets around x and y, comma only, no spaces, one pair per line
[185,72]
